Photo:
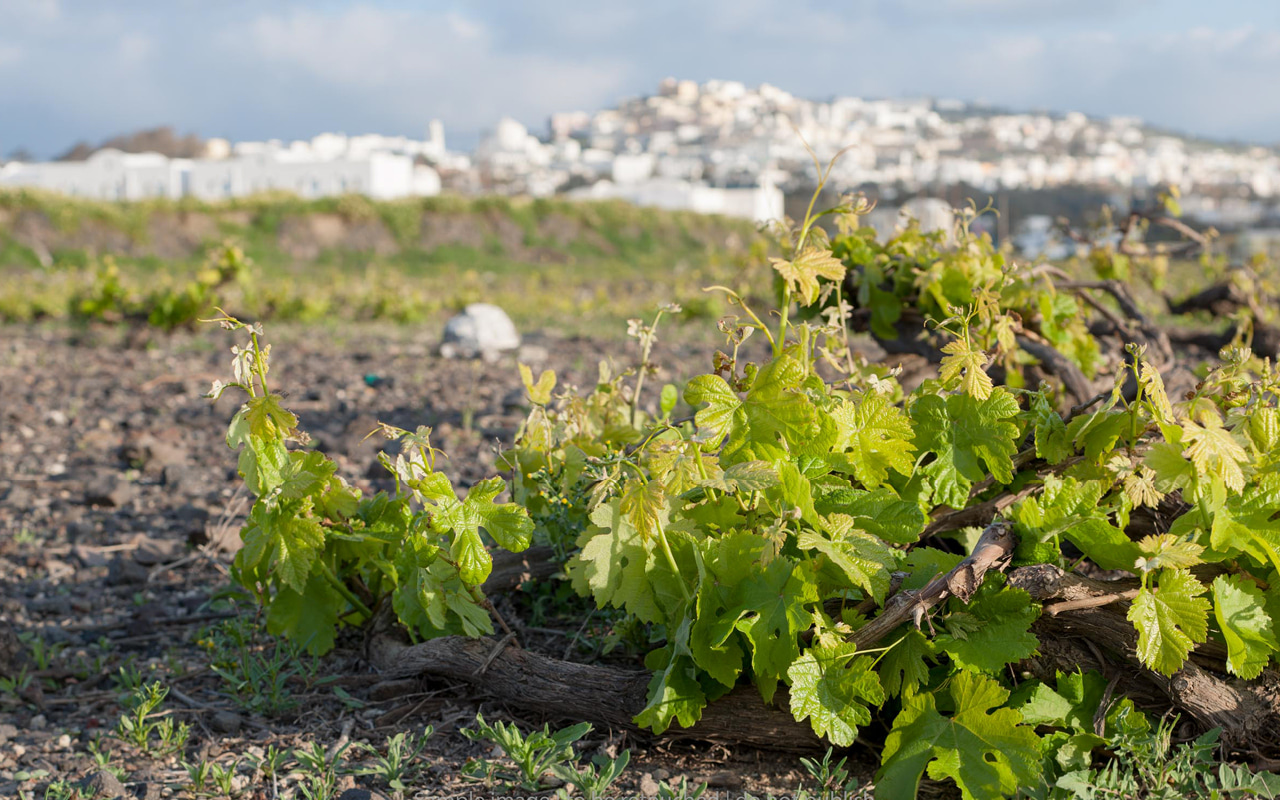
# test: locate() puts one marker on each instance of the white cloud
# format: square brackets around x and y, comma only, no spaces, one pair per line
[30,10]
[445,65]
[134,48]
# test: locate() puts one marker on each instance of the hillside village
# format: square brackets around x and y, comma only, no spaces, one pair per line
[716,147]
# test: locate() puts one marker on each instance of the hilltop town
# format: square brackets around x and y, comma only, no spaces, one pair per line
[717,147]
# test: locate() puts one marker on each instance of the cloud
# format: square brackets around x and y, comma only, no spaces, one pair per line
[418,65]
[83,69]
[30,10]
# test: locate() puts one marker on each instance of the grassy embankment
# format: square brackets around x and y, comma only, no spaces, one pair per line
[575,267]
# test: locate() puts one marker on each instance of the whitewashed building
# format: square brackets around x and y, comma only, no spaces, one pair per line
[756,203]
[105,175]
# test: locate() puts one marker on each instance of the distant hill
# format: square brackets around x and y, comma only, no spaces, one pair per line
[163,140]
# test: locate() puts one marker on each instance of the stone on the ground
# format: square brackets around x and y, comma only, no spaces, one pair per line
[102,785]
[482,330]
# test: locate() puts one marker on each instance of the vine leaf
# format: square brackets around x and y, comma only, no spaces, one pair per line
[969,437]
[968,364]
[985,749]
[540,392]
[875,436]
[1001,634]
[308,616]
[1239,607]
[722,405]
[674,691]
[1167,551]
[802,272]
[614,564]
[833,689]
[1214,451]
[864,560]
[298,540]
[645,505]
[1170,619]
[507,523]
[903,668]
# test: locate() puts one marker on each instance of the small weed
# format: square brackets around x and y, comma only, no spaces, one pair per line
[42,654]
[200,775]
[680,790]
[397,765]
[62,790]
[128,679]
[15,686]
[224,778]
[533,755]
[832,779]
[141,725]
[271,765]
[320,771]
[102,759]
[255,673]
[592,780]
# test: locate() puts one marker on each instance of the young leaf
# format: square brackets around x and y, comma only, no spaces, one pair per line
[966,435]
[833,689]
[966,362]
[540,392]
[1246,626]
[1170,619]
[722,405]
[774,405]
[1166,551]
[645,505]
[1002,635]
[615,563]
[507,523]
[985,749]
[875,436]
[1214,451]
[674,691]
[802,273]
[864,560]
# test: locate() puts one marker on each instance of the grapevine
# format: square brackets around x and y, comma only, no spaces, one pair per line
[867,554]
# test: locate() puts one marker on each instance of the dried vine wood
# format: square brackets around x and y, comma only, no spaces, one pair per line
[993,551]
[608,696]
[1247,711]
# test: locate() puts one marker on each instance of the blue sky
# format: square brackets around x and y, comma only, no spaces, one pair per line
[85,69]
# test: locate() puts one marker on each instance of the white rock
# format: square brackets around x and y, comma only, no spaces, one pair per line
[481,330]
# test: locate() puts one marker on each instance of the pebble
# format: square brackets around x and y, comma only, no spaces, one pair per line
[226,722]
[102,784]
[38,722]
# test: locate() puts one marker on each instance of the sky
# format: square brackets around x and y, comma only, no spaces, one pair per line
[73,70]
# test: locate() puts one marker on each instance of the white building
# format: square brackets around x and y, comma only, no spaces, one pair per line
[113,175]
[759,204]
[105,175]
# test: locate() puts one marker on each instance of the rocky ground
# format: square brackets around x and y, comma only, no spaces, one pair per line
[119,515]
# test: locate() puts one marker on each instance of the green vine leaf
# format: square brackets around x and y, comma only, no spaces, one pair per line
[1240,609]
[1001,634]
[969,437]
[875,437]
[985,749]
[674,691]
[1170,618]
[834,690]
[802,272]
